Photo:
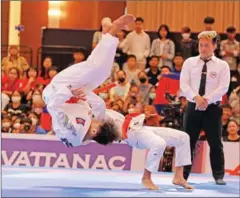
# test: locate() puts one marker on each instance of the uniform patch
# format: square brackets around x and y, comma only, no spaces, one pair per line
[80,121]
[213,74]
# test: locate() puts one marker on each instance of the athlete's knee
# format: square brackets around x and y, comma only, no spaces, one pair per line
[158,144]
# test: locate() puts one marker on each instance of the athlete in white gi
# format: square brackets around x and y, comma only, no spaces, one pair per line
[77,123]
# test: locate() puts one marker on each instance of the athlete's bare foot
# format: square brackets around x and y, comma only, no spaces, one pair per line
[183,183]
[149,184]
[120,23]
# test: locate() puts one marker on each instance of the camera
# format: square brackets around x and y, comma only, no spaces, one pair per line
[26,127]
[172,113]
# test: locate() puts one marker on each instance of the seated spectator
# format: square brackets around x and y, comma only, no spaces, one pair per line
[153,72]
[6,124]
[134,97]
[12,82]
[178,63]
[165,70]
[234,101]
[16,127]
[121,57]
[131,69]
[79,56]
[131,108]
[121,90]
[188,46]
[36,127]
[152,95]
[232,130]
[144,87]
[52,71]
[226,115]
[105,96]
[16,108]
[14,60]
[37,105]
[32,80]
[47,63]
[34,95]
[163,47]
[230,49]
[120,102]
[98,34]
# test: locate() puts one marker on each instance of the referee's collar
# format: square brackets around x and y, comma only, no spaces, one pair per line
[213,58]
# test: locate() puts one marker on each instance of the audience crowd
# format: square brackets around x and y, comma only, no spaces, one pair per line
[145,72]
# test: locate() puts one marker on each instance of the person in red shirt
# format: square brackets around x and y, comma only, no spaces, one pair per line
[32,80]
[12,82]
[51,73]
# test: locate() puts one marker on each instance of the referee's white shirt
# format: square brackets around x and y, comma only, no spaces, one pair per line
[217,82]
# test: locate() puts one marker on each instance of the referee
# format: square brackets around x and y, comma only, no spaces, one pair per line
[204,80]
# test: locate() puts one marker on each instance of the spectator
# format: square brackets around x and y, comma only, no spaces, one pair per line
[230,49]
[98,34]
[47,63]
[121,90]
[52,71]
[163,47]
[226,115]
[6,124]
[34,96]
[188,46]
[12,82]
[15,60]
[178,62]
[32,80]
[209,22]
[26,125]
[120,102]
[36,127]
[37,105]
[138,43]
[105,96]
[131,69]
[232,130]
[121,57]
[165,70]
[153,72]
[16,108]
[144,87]
[16,127]
[79,56]
[131,108]
[117,108]
[152,95]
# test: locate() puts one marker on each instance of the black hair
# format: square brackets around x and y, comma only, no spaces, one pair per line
[165,26]
[209,20]
[231,29]
[178,54]
[226,106]
[232,120]
[80,50]
[166,67]
[139,19]
[186,29]
[32,68]
[107,133]
[152,57]
[122,72]
[131,56]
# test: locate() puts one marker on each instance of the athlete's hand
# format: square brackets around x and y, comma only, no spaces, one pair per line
[79,93]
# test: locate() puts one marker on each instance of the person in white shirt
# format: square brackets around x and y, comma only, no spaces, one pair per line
[131,69]
[138,43]
[76,127]
[204,79]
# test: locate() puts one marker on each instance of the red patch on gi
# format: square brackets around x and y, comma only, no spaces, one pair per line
[80,121]
[213,74]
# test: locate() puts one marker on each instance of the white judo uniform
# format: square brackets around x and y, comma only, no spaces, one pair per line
[71,121]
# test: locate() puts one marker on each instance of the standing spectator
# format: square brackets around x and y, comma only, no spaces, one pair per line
[153,72]
[178,62]
[144,87]
[32,80]
[98,34]
[15,60]
[12,82]
[138,43]
[121,90]
[209,23]
[226,115]
[188,46]
[16,108]
[6,124]
[163,47]
[232,130]
[230,49]
[131,69]
[204,80]
[79,56]
[121,57]
[47,63]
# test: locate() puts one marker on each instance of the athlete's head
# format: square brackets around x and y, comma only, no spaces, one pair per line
[107,133]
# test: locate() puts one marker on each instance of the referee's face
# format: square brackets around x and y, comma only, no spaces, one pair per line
[206,48]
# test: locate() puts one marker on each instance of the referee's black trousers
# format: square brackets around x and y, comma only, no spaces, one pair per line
[210,122]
